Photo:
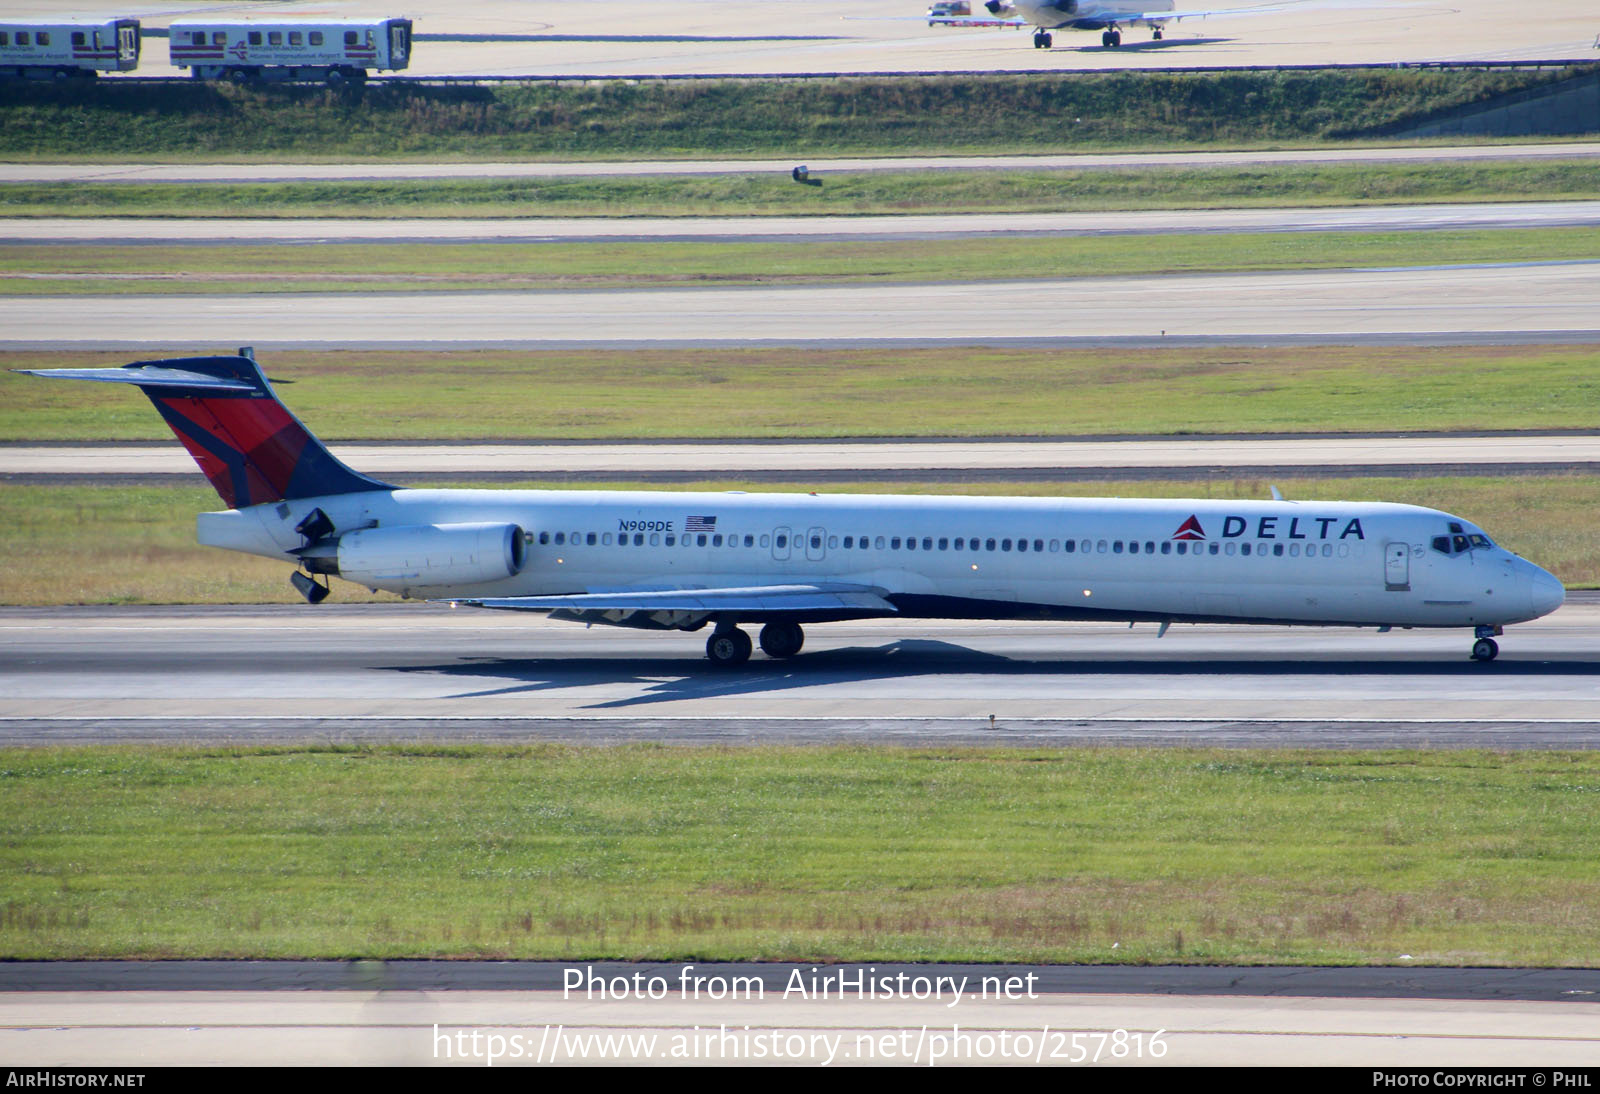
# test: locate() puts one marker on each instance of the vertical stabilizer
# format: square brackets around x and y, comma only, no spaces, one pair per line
[244,439]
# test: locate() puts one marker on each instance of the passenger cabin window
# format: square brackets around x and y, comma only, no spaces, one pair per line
[78,39]
[5,38]
[22,37]
[315,37]
[43,37]
[254,37]
[197,38]
[274,37]
[349,37]
[295,38]
[219,37]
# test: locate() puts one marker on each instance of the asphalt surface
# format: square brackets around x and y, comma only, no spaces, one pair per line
[1577,986]
[396,672]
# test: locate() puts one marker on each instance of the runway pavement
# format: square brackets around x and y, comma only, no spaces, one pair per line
[882,460]
[642,37]
[130,1029]
[119,231]
[342,672]
[369,171]
[1552,301]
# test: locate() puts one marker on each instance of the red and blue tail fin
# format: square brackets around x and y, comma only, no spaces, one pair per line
[233,424]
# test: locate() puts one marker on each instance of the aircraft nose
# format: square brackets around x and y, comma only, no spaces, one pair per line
[1547,593]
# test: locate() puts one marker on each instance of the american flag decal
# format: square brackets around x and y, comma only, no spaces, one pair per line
[699,524]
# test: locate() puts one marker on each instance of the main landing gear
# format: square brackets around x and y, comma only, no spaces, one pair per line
[1042,39]
[1111,38]
[729,647]
[1485,648]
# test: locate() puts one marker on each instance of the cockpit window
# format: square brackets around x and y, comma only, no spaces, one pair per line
[1459,541]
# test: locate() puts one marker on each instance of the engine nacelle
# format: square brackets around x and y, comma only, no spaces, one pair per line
[421,555]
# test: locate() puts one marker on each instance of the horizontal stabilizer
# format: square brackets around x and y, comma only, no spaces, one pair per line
[757,598]
[144,376]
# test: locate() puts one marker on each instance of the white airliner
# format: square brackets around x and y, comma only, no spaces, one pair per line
[679,561]
[1106,16]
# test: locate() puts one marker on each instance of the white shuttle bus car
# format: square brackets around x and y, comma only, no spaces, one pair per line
[333,51]
[63,49]
[664,560]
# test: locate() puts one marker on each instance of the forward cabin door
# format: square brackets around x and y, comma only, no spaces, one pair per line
[1397,567]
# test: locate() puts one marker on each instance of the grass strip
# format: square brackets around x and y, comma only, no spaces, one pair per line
[801,854]
[370,267]
[121,544]
[775,193]
[802,118]
[774,392]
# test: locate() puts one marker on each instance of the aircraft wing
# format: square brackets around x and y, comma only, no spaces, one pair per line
[749,599]
[1131,13]
[971,21]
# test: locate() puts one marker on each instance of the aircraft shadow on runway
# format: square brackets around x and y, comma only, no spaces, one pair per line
[674,678]
[1148,45]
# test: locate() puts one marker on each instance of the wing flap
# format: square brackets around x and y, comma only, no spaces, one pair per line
[755,598]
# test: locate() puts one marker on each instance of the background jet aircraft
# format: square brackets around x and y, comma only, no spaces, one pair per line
[1106,16]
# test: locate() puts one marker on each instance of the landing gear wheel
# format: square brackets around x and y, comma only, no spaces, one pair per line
[1157,34]
[728,649]
[1116,38]
[1105,39]
[782,639]
[1485,649]
[1047,40]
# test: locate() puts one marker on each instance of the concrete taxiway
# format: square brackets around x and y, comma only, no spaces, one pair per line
[403,672]
[372,171]
[646,37]
[1553,301]
[120,231]
[128,1029]
[836,460]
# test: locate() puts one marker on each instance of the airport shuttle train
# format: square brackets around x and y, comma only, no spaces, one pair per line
[62,49]
[329,50]
[332,51]
[681,561]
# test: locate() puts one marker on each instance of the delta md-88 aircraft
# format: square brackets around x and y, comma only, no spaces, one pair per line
[680,561]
